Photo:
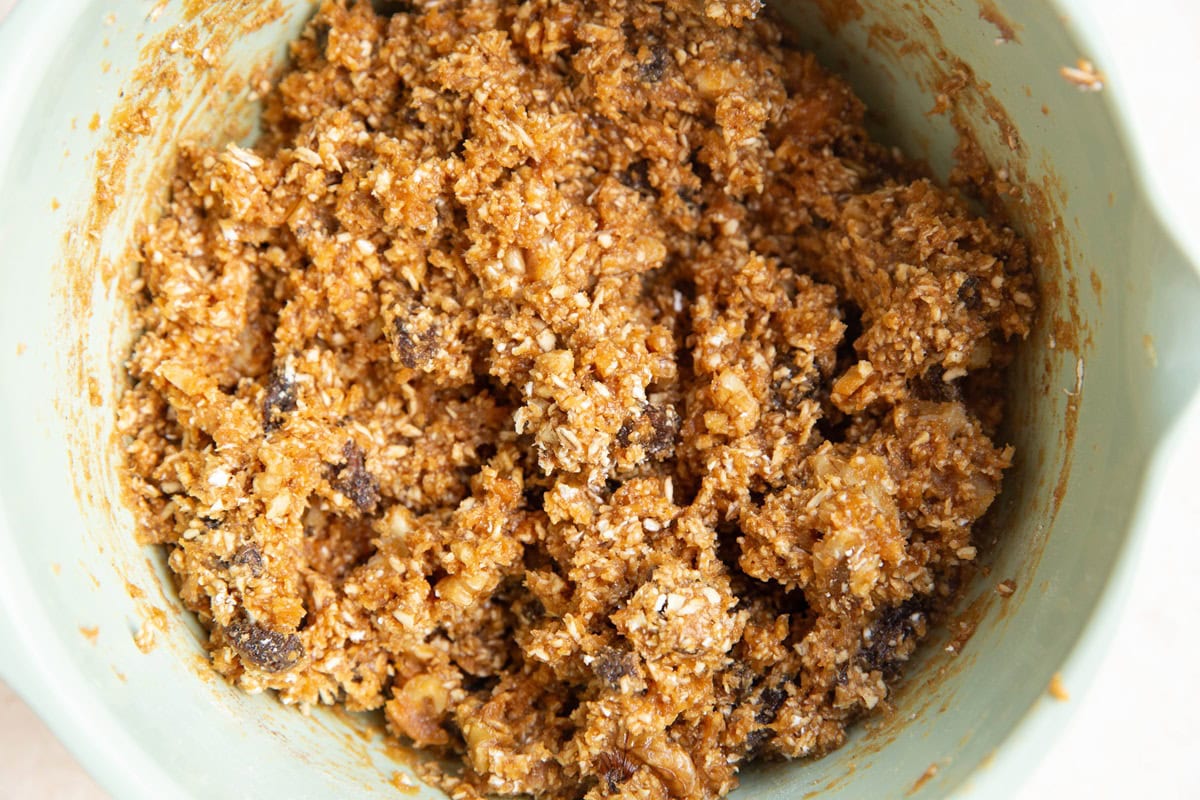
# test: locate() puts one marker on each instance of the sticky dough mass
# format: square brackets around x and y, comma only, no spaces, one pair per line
[576,382]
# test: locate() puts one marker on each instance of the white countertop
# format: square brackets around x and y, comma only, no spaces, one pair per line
[1134,732]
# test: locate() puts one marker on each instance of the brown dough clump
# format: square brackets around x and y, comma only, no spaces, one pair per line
[577,383]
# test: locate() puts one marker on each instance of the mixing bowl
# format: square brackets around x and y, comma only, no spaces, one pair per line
[95,95]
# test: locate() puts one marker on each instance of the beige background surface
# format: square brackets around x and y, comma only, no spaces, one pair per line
[32,762]
[1134,733]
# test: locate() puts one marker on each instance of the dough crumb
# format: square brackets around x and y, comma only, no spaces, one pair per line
[1058,690]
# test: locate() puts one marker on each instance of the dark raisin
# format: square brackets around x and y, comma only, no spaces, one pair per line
[756,740]
[623,433]
[280,398]
[888,633]
[664,427]
[413,348]
[211,523]
[769,703]
[651,71]
[615,768]
[739,679]
[265,648]
[610,665]
[353,480]
[250,557]
[969,294]
[933,386]
[788,389]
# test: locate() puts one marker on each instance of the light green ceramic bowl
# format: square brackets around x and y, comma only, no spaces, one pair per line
[1090,413]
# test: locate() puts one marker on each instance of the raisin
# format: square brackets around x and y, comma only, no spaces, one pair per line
[280,399]
[623,433]
[756,740]
[652,71]
[610,665]
[664,427]
[969,294]
[888,633]
[789,390]
[413,348]
[656,430]
[250,557]
[353,480]
[770,701]
[267,649]
[933,386]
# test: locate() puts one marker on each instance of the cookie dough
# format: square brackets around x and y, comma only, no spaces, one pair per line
[576,382]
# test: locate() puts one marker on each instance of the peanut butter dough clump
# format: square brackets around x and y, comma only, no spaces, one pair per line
[577,383]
